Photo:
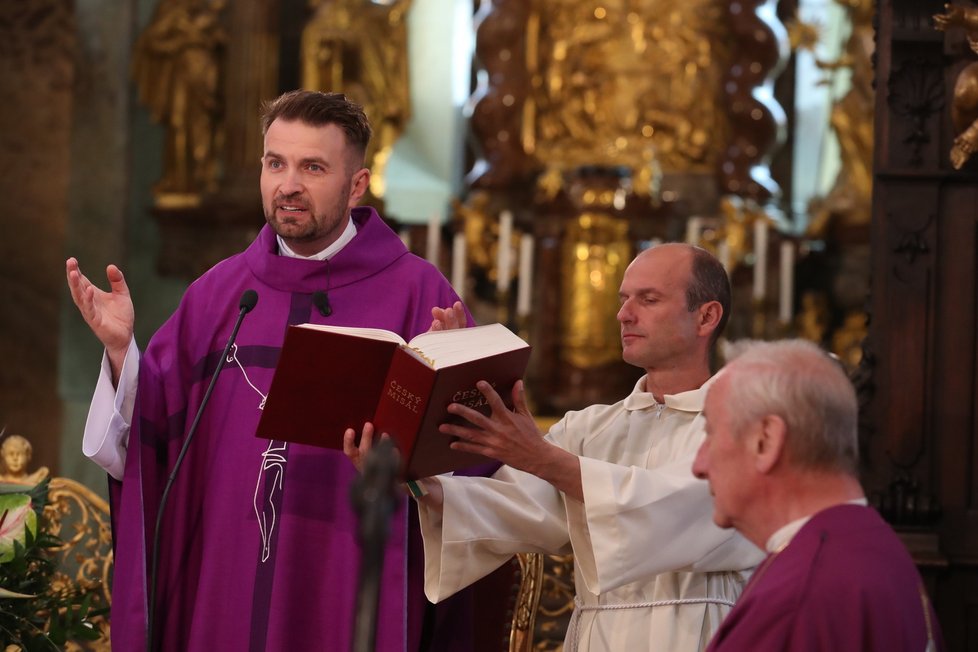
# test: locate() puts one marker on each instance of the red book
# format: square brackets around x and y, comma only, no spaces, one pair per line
[330,378]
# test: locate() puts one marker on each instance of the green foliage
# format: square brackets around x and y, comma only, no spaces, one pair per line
[55,613]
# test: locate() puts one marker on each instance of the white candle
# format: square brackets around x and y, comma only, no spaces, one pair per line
[458,264]
[504,254]
[434,239]
[525,287]
[787,287]
[760,258]
[723,254]
[405,236]
[693,227]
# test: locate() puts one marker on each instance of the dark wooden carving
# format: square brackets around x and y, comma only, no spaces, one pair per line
[916,94]
[919,389]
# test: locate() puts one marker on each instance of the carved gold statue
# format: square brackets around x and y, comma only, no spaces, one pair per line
[479,229]
[359,48]
[594,254]
[964,106]
[610,82]
[16,452]
[852,121]
[812,321]
[176,67]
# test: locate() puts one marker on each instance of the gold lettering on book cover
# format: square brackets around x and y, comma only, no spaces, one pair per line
[612,82]
[403,396]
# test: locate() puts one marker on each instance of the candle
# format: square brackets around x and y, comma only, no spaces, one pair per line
[760,258]
[723,253]
[787,286]
[504,253]
[458,264]
[693,226]
[405,236]
[524,289]
[434,239]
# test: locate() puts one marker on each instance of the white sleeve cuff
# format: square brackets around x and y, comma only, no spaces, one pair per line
[110,415]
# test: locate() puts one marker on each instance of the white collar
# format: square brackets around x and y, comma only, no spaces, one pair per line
[690,401]
[780,539]
[348,234]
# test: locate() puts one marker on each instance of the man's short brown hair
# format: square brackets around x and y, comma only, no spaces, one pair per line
[319,109]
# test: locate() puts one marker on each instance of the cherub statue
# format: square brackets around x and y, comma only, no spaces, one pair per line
[16,452]
[964,106]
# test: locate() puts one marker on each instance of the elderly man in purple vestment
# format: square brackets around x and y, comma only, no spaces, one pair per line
[780,456]
[258,546]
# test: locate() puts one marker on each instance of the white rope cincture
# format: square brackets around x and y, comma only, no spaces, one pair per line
[572,628]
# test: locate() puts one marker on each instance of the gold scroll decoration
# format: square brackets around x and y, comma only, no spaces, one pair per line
[621,82]
[80,518]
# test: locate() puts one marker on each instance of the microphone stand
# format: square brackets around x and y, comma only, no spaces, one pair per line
[247,303]
[373,496]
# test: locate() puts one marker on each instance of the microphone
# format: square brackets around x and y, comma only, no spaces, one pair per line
[321,300]
[247,303]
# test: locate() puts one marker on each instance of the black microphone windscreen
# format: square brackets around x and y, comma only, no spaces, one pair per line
[321,300]
[248,301]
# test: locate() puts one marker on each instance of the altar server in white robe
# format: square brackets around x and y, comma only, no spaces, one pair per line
[610,483]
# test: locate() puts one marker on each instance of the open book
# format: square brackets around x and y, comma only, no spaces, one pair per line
[330,378]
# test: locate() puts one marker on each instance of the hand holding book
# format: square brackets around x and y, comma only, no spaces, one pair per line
[512,437]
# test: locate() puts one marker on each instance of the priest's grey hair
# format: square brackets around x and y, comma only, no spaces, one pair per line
[805,386]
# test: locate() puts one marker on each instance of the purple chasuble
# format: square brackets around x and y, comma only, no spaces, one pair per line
[845,583]
[259,545]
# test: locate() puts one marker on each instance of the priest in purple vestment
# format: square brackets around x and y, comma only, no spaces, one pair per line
[781,459]
[258,546]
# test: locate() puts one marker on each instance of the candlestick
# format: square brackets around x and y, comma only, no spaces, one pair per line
[458,264]
[723,254]
[525,287]
[760,259]
[786,289]
[693,226]
[503,253]
[434,239]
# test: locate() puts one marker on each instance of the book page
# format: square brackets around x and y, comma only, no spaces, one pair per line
[441,349]
[368,333]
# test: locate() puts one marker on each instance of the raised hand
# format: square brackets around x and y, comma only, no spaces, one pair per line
[443,319]
[110,314]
